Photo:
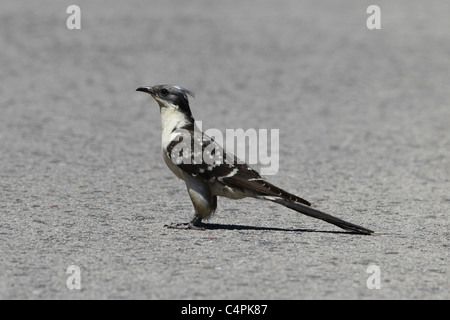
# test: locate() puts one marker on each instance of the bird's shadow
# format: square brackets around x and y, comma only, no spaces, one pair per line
[216,226]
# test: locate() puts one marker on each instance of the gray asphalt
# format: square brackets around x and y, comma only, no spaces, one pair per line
[364,135]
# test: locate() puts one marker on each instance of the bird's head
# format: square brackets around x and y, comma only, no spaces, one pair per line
[172,97]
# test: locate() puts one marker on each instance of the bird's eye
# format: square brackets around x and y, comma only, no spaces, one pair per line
[164,92]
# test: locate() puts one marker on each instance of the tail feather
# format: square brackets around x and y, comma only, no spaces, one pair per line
[320,215]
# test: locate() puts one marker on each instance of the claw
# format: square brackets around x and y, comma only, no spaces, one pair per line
[195,224]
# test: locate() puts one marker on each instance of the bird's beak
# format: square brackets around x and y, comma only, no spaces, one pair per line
[148,90]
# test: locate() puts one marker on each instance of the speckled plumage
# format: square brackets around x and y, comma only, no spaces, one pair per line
[209,171]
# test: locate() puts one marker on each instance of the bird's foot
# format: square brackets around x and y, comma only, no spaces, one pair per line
[195,224]
[184,226]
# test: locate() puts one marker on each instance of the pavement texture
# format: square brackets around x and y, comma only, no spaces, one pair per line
[364,135]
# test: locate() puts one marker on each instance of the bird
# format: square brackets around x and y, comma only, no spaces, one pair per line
[206,168]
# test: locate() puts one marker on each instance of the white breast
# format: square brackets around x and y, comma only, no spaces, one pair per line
[171,119]
[173,167]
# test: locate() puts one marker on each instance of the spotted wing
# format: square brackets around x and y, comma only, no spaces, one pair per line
[200,156]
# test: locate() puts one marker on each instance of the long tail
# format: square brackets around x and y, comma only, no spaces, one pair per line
[319,215]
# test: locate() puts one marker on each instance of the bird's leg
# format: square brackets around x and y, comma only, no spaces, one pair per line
[204,203]
[195,224]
